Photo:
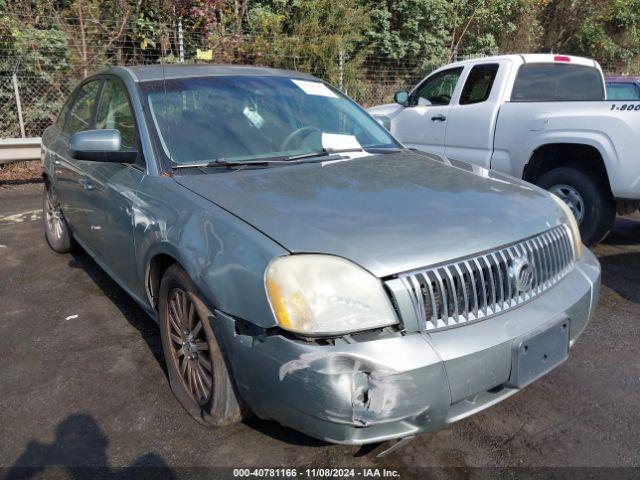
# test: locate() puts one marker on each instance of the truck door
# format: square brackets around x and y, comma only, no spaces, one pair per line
[472,118]
[422,124]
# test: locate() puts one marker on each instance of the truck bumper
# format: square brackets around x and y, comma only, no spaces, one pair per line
[363,392]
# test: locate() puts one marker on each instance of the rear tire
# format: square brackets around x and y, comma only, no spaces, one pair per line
[56,230]
[587,195]
[198,372]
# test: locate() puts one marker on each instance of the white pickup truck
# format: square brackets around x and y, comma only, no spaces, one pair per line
[540,117]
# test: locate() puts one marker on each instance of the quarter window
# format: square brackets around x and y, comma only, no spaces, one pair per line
[438,89]
[479,83]
[81,113]
[114,112]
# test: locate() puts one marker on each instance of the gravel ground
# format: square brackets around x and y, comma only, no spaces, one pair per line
[83,382]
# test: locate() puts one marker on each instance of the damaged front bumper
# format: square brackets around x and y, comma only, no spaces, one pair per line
[358,392]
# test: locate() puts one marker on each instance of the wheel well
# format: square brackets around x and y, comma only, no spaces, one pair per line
[157,267]
[576,155]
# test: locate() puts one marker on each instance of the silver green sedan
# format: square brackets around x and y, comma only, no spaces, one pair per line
[301,263]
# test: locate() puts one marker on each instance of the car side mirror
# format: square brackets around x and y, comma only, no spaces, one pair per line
[402,98]
[100,146]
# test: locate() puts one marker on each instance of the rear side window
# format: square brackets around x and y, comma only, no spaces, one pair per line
[81,113]
[479,83]
[557,82]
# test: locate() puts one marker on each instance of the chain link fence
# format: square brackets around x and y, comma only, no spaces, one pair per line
[29,101]
[40,98]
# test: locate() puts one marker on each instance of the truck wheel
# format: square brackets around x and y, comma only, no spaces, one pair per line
[587,196]
[198,373]
[56,230]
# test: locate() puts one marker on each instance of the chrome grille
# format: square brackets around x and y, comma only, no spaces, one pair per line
[476,288]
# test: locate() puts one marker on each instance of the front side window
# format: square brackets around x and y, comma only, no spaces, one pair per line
[114,112]
[240,118]
[80,115]
[438,89]
[557,82]
[479,83]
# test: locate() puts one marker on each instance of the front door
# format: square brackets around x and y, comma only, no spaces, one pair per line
[422,124]
[113,187]
[70,174]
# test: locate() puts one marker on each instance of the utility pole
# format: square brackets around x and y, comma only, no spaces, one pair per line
[341,67]
[180,42]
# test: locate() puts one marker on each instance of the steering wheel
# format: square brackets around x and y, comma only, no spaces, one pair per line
[302,131]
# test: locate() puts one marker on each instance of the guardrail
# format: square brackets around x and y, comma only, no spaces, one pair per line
[19,149]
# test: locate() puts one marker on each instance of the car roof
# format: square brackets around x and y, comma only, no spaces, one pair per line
[147,73]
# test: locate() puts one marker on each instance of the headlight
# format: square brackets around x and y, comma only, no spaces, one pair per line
[325,295]
[573,226]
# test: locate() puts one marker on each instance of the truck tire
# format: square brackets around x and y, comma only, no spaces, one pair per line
[587,196]
[199,375]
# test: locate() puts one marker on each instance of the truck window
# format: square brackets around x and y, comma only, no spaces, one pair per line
[557,82]
[438,89]
[623,91]
[479,83]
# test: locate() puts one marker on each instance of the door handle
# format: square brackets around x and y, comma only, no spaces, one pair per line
[86,184]
[438,118]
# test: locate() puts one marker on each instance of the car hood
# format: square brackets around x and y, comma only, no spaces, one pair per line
[388,213]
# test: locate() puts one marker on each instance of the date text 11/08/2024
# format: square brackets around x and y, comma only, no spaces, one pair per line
[315,473]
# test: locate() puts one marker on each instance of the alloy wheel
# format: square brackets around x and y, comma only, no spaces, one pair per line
[53,216]
[188,346]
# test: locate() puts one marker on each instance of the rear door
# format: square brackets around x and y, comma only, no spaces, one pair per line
[472,118]
[423,123]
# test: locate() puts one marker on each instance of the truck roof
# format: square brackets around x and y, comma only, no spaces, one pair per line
[532,58]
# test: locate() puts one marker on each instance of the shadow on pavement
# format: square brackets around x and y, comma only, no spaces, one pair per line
[128,307]
[626,231]
[79,450]
[620,273]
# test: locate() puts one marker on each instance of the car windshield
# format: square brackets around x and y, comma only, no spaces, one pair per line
[241,118]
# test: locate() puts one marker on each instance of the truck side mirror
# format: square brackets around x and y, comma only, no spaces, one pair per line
[401,97]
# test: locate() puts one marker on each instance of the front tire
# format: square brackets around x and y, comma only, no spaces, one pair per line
[198,373]
[588,197]
[56,230]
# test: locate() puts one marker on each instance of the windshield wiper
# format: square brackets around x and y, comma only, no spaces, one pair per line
[268,161]
[325,152]
[221,162]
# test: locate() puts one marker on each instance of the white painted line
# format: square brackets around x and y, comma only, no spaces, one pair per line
[21,217]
